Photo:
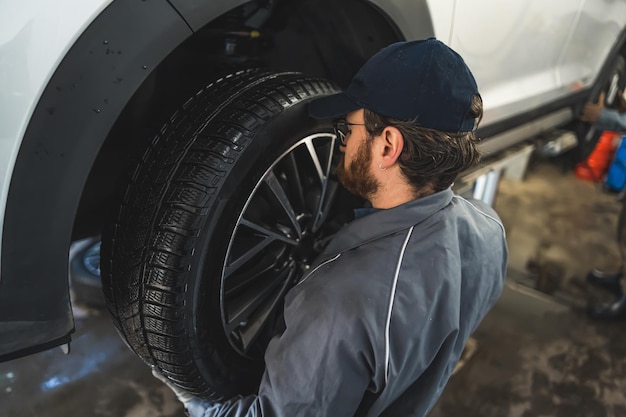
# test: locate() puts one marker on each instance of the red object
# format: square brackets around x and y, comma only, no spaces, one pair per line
[595,167]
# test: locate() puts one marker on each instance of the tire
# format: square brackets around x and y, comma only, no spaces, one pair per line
[223,213]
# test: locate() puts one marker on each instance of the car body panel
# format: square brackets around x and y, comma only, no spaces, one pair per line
[523,53]
[62,135]
[32,44]
[415,18]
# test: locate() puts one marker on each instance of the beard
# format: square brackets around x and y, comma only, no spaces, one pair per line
[357,178]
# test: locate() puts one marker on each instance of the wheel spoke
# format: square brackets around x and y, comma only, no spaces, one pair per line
[316,160]
[269,236]
[275,238]
[327,192]
[241,308]
[295,182]
[278,191]
[329,196]
[251,309]
[251,332]
[247,277]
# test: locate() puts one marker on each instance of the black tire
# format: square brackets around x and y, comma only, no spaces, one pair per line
[233,170]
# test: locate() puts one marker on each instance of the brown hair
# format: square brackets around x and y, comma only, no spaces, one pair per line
[431,158]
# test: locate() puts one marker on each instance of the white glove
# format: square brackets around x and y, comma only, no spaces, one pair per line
[182,395]
[194,406]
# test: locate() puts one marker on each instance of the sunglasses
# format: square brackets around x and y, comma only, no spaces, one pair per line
[342,129]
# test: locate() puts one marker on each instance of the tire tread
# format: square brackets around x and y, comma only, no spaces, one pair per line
[148,248]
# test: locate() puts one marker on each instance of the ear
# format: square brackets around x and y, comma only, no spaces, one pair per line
[391,146]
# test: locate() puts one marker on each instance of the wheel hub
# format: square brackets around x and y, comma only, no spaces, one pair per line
[306,251]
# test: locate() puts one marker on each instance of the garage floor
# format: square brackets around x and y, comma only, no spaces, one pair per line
[537,353]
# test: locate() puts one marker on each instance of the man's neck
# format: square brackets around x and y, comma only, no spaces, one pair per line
[397,194]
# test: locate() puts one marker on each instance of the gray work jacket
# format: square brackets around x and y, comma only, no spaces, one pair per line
[377,326]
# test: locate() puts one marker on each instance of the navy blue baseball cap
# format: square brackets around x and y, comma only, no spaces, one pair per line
[423,81]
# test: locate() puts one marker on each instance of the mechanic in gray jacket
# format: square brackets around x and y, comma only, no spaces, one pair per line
[379,323]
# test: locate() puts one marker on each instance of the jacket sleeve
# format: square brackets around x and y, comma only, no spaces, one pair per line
[611,120]
[319,366]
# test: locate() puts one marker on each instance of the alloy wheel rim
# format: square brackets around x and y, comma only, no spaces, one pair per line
[276,237]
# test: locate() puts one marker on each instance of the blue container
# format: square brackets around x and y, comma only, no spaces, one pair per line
[616,176]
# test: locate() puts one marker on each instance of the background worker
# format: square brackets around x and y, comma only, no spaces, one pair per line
[605,118]
[379,324]
[612,119]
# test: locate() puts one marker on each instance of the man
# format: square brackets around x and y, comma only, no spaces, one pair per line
[614,119]
[378,325]
[605,118]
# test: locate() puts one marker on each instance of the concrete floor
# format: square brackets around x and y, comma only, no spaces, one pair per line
[537,353]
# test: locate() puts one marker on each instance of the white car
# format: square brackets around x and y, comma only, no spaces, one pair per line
[178,131]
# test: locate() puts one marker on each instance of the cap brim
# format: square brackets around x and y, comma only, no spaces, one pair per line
[333,106]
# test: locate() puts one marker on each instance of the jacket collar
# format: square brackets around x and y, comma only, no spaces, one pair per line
[389,221]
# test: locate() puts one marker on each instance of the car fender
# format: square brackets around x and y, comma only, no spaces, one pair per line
[32,44]
[414,18]
[46,155]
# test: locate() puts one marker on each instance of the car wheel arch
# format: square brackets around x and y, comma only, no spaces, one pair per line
[64,133]
[69,128]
